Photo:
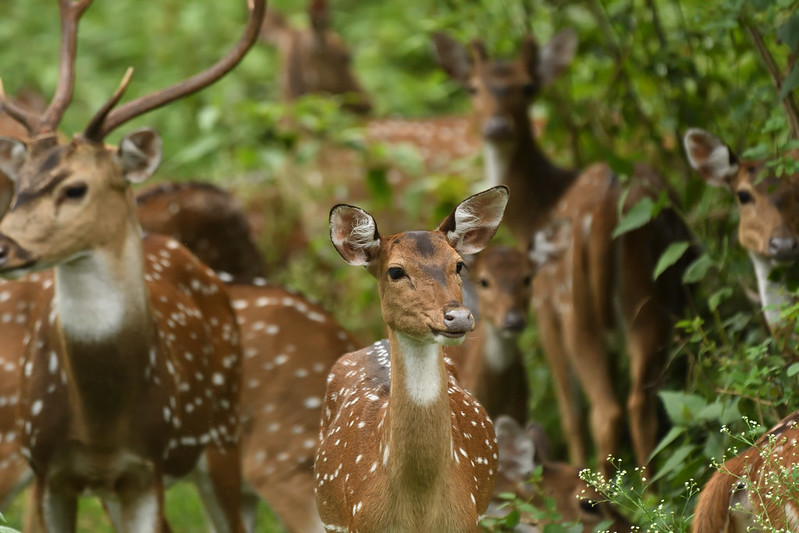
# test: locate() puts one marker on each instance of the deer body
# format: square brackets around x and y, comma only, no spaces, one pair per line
[574,294]
[402,446]
[755,490]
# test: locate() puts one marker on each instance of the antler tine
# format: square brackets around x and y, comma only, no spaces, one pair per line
[92,131]
[23,116]
[70,14]
[155,100]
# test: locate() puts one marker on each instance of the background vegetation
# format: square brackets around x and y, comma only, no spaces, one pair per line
[646,70]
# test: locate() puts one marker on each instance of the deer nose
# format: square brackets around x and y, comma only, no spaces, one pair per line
[4,253]
[515,321]
[783,247]
[458,319]
[498,128]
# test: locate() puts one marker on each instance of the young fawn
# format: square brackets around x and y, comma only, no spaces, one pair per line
[403,447]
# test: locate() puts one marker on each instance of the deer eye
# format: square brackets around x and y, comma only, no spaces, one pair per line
[75,192]
[744,197]
[395,273]
[484,283]
[589,506]
[459,267]
[528,89]
[471,89]
[527,280]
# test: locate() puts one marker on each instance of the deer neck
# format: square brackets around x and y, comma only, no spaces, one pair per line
[418,439]
[536,182]
[500,350]
[102,316]
[774,294]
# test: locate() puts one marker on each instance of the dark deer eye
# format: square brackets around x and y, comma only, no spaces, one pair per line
[459,267]
[75,192]
[744,197]
[471,89]
[590,507]
[527,280]
[395,273]
[484,283]
[528,89]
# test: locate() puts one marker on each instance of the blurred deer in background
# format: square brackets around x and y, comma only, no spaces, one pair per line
[315,60]
[756,490]
[402,446]
[769,217]
[574,295]
[490,363]
[127,376]
[521,452]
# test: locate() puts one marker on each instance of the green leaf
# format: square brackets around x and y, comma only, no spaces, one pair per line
[793,370]
[698,269]
[671,255]
[670,437]
[790,82]
[717,297]
[675,462]
[682,407]
[789,32]
[637,216]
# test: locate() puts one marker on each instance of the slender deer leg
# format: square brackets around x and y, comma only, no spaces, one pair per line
[222,494]
[551,336]
[57,508]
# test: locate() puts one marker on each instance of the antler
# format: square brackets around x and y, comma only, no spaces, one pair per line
[70,14]
[107,120]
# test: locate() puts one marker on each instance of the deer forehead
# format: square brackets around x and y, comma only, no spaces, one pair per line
[425,249]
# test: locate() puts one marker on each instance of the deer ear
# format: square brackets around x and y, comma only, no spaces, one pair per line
[556,56]
[515,448]
[453,57]
[472,225]
[139,154]
[12,156]
[710,157]
[319,15]
[354,234]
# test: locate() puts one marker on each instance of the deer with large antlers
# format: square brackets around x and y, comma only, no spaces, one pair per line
[403,447]
[573,295]
[756,490]
[128,374]
[769,216]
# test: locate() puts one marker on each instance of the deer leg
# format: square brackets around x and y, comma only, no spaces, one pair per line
[219,485]
[249,509]
[57,507]
[570,414]
[140,508]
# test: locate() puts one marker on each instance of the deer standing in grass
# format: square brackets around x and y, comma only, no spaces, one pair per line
[127,376]
[574,295]
[769,216]
[402,446]
[490,363]
[522,450]
[758,489]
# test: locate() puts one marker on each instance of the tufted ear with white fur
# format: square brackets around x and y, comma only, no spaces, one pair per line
[710,157]
[472,225]
[12,156]
[453,57]
[354,234]
[139,154]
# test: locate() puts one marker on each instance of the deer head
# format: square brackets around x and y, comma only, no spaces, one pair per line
[502,91]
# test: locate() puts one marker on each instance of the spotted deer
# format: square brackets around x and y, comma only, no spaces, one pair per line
[522,451]
[208,221]
[574,294]
[489,362]
[127,376]
[757,489]
[403,447]
[769,215]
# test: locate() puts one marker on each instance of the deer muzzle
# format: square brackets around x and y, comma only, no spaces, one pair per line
[458,320]
[13,257]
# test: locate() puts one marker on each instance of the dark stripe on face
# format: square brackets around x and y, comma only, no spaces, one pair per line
[30,194]
[424,244]
[52,160]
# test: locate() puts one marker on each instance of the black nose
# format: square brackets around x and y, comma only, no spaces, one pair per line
[458,319]
[497,128]
[783,247]
[4,253]
[515,321]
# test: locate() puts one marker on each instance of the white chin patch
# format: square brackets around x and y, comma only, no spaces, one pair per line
[448,341]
